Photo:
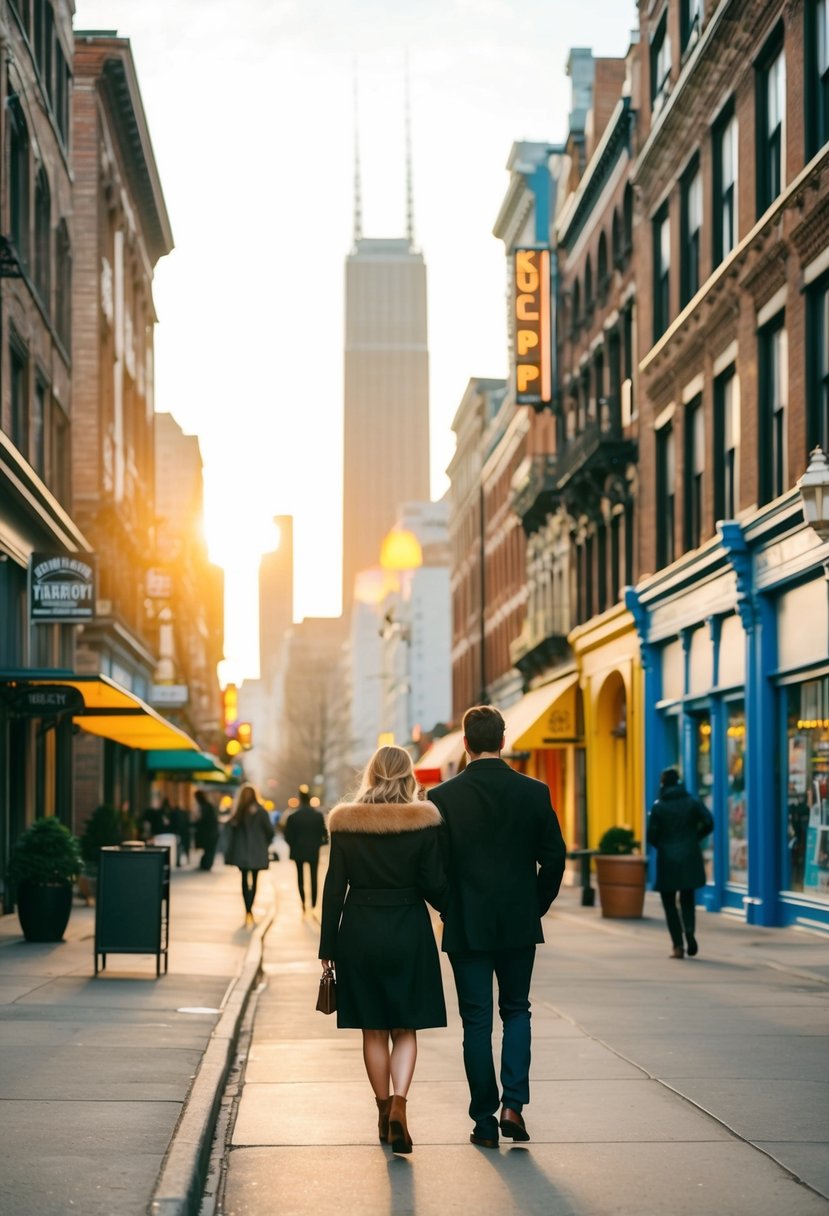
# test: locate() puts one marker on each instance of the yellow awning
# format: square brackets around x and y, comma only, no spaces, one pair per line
[114,713]
[544,717]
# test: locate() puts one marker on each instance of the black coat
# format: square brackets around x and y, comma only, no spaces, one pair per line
[505,856]
[385,860]
[677,824]
[305,833]
[248,840]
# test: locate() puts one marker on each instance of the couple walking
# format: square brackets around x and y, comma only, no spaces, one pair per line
[488,854]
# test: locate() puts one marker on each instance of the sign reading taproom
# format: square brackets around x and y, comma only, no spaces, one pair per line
[62,588]
[533,351]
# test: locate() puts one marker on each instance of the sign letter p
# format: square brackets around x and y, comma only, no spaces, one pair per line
[526,374]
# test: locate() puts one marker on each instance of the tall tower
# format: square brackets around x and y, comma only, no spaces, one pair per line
[276,598]
[386,406]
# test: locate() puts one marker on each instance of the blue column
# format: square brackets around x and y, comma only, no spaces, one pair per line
[719,720]
[651,734]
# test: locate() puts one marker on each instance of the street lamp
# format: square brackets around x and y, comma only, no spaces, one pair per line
[814,493]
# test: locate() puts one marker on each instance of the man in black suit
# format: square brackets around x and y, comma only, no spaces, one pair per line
[505,855]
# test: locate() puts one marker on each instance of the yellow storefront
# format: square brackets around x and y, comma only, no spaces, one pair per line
[606,650]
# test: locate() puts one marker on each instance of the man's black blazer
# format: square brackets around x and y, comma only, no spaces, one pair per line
[505,856]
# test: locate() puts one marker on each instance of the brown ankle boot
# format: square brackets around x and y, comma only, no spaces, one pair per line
[383,1107]
[401,1141]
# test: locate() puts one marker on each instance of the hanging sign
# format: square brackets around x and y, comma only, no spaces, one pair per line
[61,588]
[531,317]
[47,700]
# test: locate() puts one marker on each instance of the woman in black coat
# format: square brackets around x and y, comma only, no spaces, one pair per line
[250,832]
[385,860]
[677,824]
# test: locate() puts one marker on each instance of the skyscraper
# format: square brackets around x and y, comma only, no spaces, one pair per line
[386,431]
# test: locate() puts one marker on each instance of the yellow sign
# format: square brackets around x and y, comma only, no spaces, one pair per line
[533,351]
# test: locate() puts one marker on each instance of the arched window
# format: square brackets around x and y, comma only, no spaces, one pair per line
[603,279]
[589,302]
[616,238]
[43,237]
[18,179]
[627,206]
[576,317]
[63,284]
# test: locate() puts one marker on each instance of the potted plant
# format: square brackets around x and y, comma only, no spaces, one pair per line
[45,862]
[105,826]
[620,874]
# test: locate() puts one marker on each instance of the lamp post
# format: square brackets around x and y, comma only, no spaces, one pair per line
[814,493]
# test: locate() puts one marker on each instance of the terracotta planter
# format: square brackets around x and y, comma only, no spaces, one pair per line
[44,910]
[621,881]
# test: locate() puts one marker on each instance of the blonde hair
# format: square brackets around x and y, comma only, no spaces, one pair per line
[388,777]
[246,800]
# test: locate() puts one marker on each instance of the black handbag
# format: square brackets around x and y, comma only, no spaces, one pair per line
[327,996]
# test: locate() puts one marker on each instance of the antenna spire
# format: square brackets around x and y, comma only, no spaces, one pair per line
[358,189]
[409,184]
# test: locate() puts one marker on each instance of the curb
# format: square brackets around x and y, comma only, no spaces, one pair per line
[180,1182]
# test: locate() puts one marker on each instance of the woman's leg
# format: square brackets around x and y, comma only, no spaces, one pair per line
[245,893]
[672,917]
[402,1060]
[300,881]
[254,878]
[376,1060]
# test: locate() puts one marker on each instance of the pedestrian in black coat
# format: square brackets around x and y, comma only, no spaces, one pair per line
[505,857]
[385,861]
[305,834]
[207,830]
[677,824]
[250,832]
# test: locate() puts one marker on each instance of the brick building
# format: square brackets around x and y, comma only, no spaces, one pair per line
[732,263]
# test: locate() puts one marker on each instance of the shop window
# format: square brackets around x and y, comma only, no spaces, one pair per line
[724,229]
[735,750]
[774,377]
[807,786]
[817,366]
[694,472]
[726,445]
[704,788]
[816,45]
[661,272]
[690,226]
[665,495]
[771,114]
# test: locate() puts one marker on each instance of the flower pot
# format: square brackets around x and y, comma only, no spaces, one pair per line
[621,881]
[44,910]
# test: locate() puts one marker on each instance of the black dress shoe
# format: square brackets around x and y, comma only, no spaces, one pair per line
[693,948]
[483,1140]
[512,1125]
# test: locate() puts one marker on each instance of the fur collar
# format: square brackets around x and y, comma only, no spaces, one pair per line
[383,818]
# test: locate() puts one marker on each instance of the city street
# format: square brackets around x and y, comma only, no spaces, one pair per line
[659,1086]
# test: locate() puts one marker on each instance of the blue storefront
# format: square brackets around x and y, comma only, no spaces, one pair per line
[735,653]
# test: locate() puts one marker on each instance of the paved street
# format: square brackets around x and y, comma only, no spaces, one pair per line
[659,1086]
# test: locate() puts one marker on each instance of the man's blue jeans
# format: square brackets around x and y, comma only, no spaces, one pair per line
[474,972]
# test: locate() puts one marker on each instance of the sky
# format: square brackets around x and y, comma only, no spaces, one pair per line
[251,113]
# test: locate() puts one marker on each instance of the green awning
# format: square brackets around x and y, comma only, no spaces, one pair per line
[182,763]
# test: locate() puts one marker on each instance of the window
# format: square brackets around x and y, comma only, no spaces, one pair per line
[773,378]
[63,285]
[627,220]
[61,100]
[601,410]
[665,494]
[18,180]
[725,184]
[615,572]
[603,277]
[817,76]
[817,365]
[726,445]
[660,59]
[43,236]
[576,317]
[807,711]
[771,111]
[614,367]
[616,250]
[38,428]
[661,272]
[691,223]
[690,21]
[694,471]
[19,399]
[589,302]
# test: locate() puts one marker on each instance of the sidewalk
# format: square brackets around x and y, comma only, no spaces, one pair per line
[95,1072]
[659,1086]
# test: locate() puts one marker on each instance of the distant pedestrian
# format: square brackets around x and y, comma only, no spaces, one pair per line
[249,835]
[677,824]
[305,834]
[180,825]
[207,830]
[385,861]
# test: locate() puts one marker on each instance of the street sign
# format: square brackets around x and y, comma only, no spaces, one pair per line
[61,588]
[47,701]
[531,316]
